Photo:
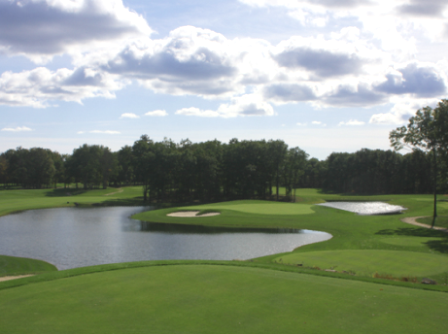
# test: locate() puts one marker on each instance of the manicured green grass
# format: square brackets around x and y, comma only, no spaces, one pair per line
[217,299]
[368,262]
[10,266]
[268,208]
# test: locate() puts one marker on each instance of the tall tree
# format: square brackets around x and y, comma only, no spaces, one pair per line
[427,130]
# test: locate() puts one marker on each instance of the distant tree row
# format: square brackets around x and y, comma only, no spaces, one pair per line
[186,171]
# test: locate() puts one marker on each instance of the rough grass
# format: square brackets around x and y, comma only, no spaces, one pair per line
[218,299]
[369,262]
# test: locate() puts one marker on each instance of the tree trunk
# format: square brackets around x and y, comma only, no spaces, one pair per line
[434,216]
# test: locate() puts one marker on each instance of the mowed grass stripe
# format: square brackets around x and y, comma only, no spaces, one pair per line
[367,262]
[218,299]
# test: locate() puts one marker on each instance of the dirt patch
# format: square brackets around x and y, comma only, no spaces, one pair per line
[8,278]
[191,214]
[120,190]
[413,221]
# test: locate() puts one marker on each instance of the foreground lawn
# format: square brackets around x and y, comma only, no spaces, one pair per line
[217,299]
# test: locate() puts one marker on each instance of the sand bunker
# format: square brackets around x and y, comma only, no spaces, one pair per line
[192,214]
[8,278]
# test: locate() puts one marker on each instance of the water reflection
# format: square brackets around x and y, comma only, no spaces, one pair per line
[77,237]
[366,208]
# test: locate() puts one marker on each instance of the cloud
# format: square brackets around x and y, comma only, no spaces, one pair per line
[289,93]
[193,111]
[129,115]
[352,122]
[316,123]
[414,79]
[359,95]
[322,63]
[49,27]
[191,60]
[387,21]
[301,124]
[246,105]
[402,110]
[157,113]
[107,132]
[36,87]
[423,8]
[17,129]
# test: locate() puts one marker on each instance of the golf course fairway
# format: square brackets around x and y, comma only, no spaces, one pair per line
[218,299]
[325,287]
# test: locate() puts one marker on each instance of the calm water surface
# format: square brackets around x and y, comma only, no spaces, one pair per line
[78,237]
[366,208]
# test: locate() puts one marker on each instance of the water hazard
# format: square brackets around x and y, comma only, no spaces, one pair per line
[78,237]
[366,208]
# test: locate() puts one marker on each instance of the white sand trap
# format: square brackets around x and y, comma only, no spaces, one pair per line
[8,278]
[191,214]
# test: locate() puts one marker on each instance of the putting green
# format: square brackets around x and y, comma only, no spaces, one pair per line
[367,262]
[218,299]
[267,208]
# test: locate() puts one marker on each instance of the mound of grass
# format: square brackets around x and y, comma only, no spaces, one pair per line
[10,266]
[217,299]
[367,262]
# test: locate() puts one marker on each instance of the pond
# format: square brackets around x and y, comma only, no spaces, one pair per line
[78,237]
[366,208]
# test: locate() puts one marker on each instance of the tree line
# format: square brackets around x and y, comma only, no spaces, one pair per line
[186,171]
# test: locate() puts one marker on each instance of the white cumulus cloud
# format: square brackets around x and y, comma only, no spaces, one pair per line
[157,113]
[40,29]
[17,129]
[352,122]
[129,115]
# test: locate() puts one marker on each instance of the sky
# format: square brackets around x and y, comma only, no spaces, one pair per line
[324,75]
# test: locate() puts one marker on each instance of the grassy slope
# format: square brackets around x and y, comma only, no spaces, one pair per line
[220,299]
[10,266]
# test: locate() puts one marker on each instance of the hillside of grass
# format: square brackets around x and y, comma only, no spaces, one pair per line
[218,297]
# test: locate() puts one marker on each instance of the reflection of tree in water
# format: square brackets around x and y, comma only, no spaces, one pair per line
[198,229]
[437,245]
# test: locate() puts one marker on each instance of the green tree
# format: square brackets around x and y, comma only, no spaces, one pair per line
[427,130]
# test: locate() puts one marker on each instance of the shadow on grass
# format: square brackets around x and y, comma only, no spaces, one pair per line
[135,201]
[440,246]
[414,232]
[65,192]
